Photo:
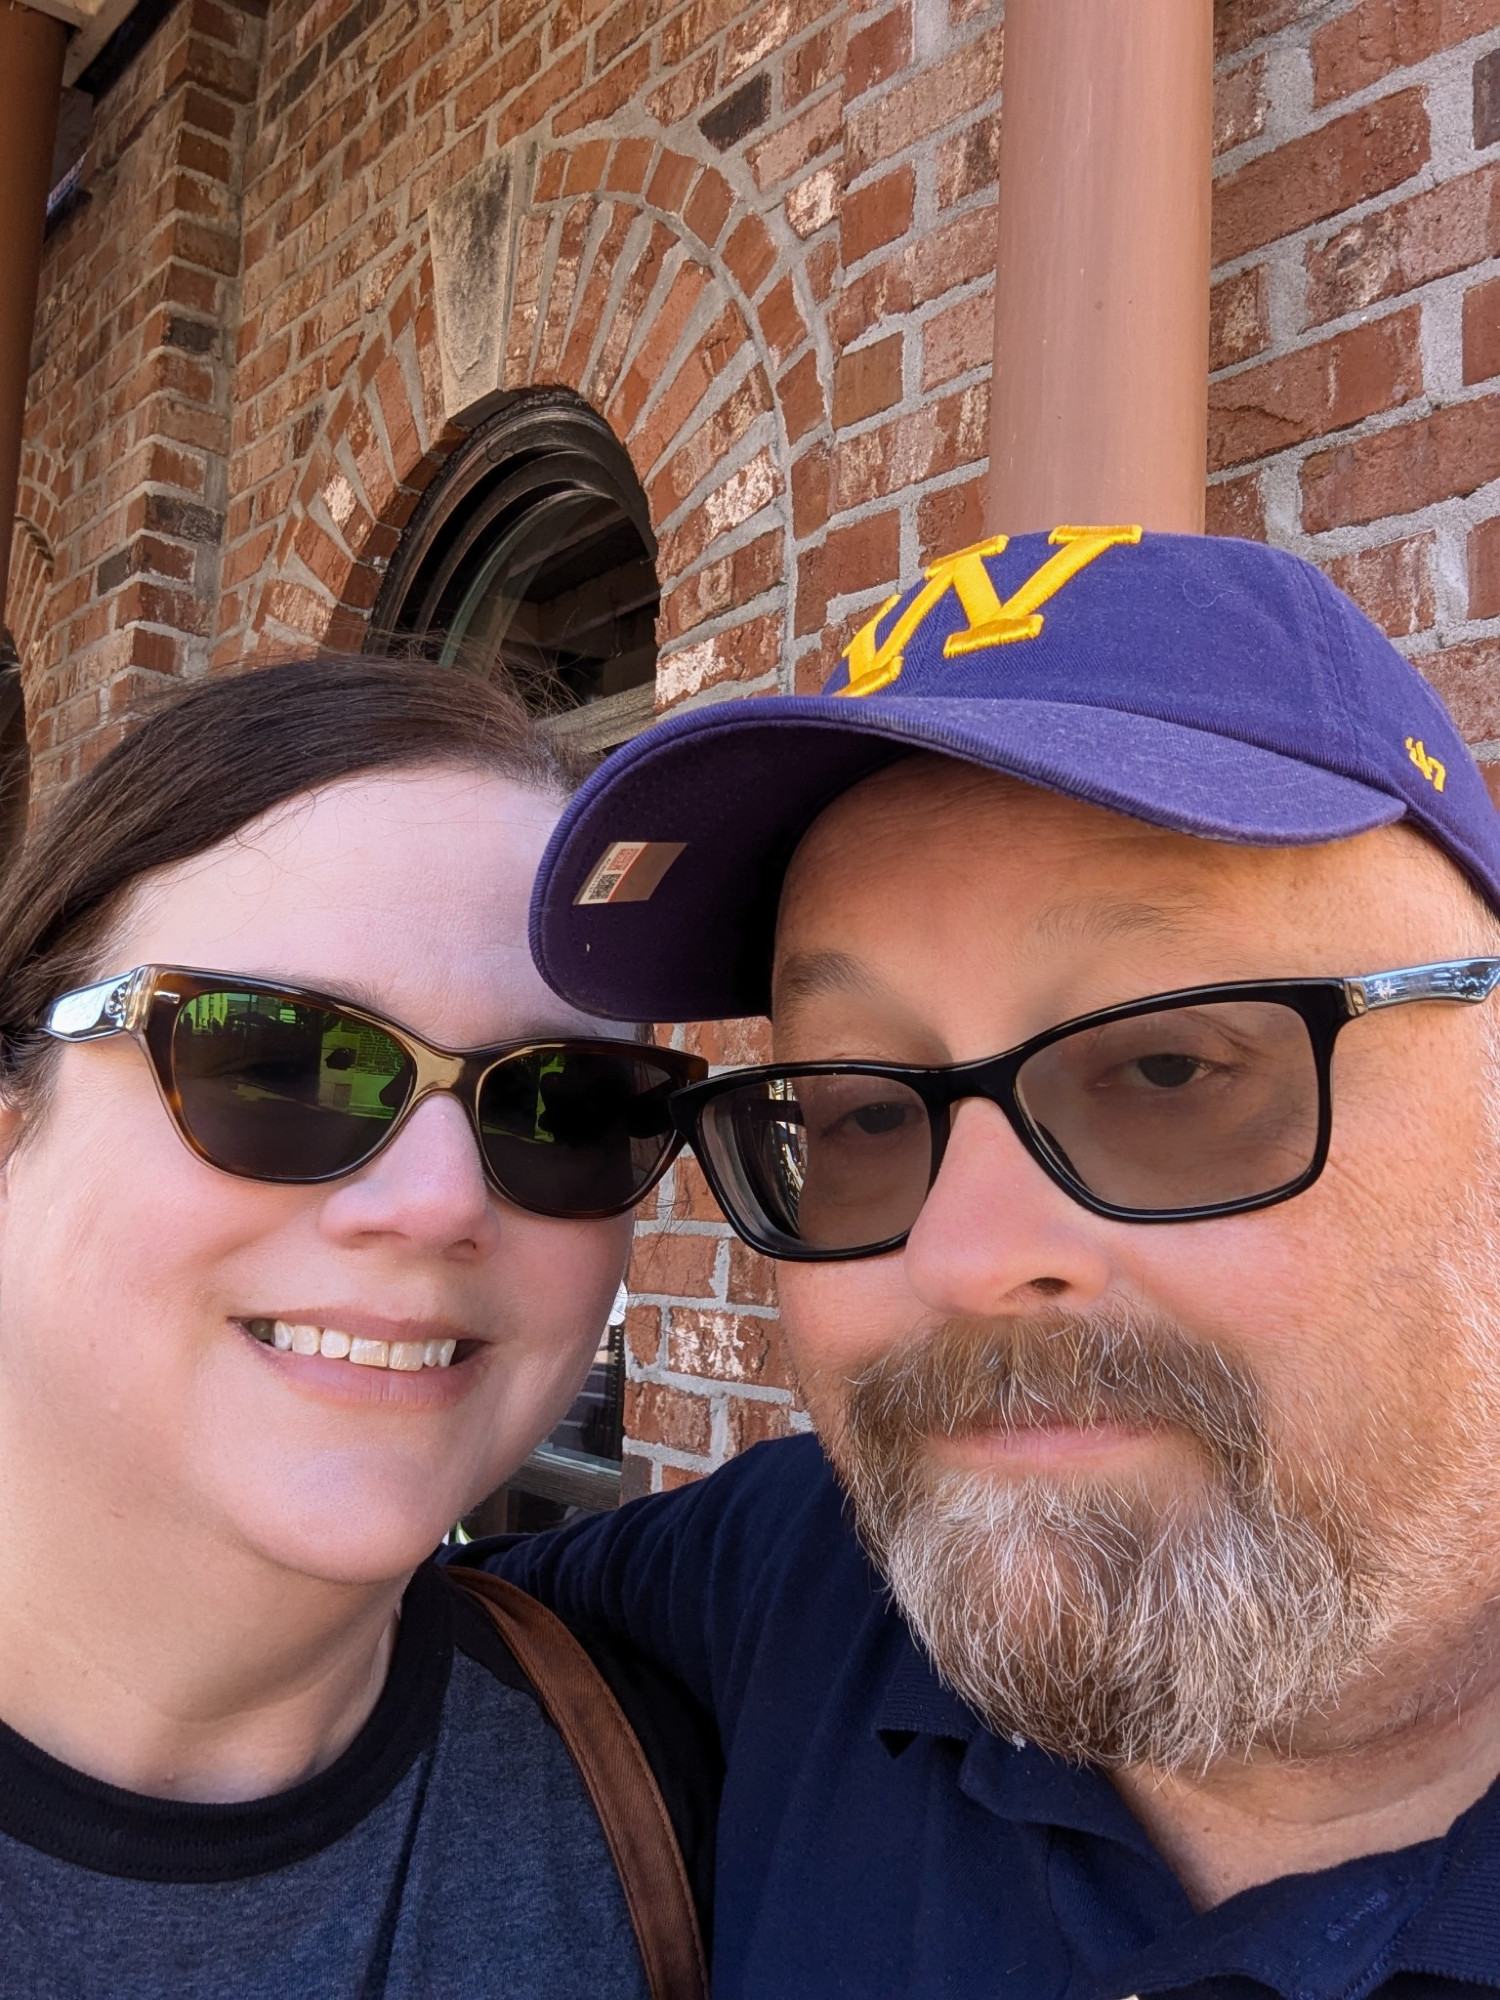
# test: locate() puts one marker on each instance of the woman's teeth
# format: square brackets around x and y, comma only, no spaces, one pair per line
[407,1356]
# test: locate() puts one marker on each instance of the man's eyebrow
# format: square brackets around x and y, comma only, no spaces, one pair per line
[1108,920]
[809,975]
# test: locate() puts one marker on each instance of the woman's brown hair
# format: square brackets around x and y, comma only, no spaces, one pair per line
[206,762]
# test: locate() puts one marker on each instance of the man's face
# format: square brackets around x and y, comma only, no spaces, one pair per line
[1151,1493]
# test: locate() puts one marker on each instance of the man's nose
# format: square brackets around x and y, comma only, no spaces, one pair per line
[426,1187]
[995,1231]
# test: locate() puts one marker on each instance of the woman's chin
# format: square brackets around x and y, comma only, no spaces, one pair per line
[353,1543]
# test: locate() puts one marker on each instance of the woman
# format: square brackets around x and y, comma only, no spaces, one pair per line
[313,1201]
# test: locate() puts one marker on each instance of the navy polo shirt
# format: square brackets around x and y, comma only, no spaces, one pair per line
[875,1839]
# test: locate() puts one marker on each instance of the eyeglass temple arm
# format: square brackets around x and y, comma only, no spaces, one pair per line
[90,1012]
[1452,979]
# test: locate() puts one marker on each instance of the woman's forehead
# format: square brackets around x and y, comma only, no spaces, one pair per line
[408,889]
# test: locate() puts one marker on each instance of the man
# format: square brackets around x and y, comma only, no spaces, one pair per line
[1125,914]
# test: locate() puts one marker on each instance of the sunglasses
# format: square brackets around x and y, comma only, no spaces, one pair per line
[1210,1101]
[274,1083]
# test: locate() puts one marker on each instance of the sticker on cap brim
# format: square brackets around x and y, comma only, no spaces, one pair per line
[629,871]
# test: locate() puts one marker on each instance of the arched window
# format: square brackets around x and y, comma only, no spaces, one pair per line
[534,553]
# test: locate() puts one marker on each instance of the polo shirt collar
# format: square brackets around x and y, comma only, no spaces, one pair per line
[1009,1777]
[1426,1909]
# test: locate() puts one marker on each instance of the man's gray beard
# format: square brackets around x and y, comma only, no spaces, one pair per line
[1092,1619]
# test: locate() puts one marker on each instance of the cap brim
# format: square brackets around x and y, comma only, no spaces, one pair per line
[739,784]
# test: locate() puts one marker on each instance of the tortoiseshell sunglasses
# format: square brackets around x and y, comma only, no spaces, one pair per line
[276,1083]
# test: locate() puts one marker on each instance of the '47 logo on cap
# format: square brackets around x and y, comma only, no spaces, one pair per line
[991,622]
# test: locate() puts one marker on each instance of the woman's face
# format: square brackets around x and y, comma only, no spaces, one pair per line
[129,1385]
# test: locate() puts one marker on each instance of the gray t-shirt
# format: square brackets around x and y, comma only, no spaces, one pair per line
[450,1853]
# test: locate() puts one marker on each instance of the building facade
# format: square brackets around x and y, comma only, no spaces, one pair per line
[338,293]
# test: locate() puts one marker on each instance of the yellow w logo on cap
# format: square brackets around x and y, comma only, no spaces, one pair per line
[990,622]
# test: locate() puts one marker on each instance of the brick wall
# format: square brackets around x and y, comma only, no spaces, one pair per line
[124,477]
[759,239]
[1355,404]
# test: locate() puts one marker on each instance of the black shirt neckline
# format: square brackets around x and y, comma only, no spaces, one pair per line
[48,1806]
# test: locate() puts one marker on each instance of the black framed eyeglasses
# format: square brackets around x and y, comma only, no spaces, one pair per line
[1208,1101]
[277,1083]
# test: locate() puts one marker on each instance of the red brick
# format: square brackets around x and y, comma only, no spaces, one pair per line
[799,393]
[1327,386]
[656,1413]
[610,94]
[644,1334]
[814,63]
[968,162]
[782,324]
[628,165]
[1482,331]
[1238,322]
[1351,159]
[936,438]
[668,1263]
[745,1039]
[752,1421]
[708,208]
[752,1278]
[1404,245]
[585,173]
[934,98]
[549,176]
[1468,679]
[866,381]
[959,339]
[1238,23]
[864,556]
[953,518]
[1237,507]
[732,583]
[1239,104]
[1484,570]
[1440,457]
[686,92]
[877,52]
[673,1477]
[670,183]
[802,139]
[727,1346]
[1391,584]
[1374,37]
[707,447]
[750,253]
[877,214]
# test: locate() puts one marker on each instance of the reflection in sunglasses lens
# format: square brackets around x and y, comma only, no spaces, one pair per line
[575,1131]
[281,1090]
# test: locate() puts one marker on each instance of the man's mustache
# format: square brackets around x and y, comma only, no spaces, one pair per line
[1115,1367]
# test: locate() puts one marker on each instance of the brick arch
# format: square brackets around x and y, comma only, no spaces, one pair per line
[692,338]
[27,590]
[383,441]
[682,332]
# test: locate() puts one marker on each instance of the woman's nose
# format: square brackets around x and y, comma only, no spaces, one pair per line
[427,1186]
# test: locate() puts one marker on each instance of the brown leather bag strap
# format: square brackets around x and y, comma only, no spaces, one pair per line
[613,1766]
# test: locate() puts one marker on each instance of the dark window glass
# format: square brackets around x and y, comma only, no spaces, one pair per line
[534,556]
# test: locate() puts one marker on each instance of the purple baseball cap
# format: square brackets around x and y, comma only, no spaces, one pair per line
[1216,687]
